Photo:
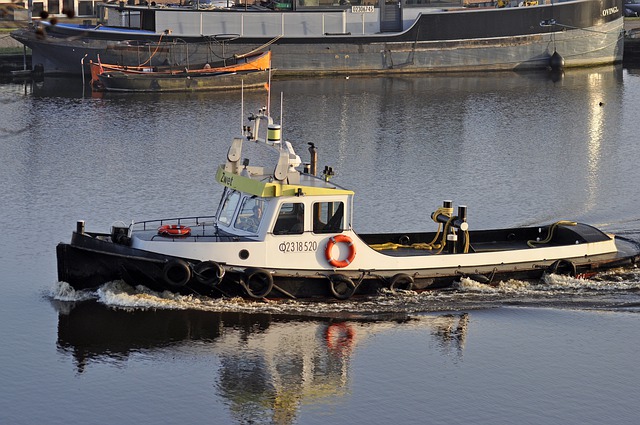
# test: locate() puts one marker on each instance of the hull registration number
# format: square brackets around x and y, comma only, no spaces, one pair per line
[298,246]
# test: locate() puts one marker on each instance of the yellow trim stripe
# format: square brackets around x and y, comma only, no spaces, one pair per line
[267,189]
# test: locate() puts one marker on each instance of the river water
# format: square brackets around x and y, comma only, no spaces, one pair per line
[517,149]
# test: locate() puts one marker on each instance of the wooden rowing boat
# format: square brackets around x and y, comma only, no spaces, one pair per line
[239,71]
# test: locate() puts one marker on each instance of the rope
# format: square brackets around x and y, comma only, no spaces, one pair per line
[467,242]
[532,243]
[257,49]
[442,210]
[154,52]
[430,245]
[392,245]
[421,245]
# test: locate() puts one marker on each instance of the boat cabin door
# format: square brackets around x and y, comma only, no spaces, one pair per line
[390,15]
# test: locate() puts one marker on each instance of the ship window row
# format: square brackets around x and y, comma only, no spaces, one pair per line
[328,217]
[89,8]
[246,214]
[300,4]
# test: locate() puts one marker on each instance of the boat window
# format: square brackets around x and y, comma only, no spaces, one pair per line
[290,219]
[228,208]
[334,4]
[328,217]
[250,214]
[438,3]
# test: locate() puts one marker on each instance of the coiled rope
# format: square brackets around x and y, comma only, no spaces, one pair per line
[448,212]
[532,243]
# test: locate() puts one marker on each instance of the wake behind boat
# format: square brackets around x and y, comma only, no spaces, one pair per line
[318,37]
[284,230]
[241,71]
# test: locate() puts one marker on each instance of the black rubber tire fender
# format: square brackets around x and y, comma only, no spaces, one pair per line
[401,281]
[341,286]
[562,267]
[209,272]
[176,273]
[258,282]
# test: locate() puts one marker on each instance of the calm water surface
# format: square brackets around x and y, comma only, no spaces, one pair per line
[517,149]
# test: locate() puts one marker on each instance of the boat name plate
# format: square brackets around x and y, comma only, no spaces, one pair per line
[362,9]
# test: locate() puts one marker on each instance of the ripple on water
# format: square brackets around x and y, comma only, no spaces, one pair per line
[610,290]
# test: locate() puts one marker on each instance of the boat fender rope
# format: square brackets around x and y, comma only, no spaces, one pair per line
[340,239]
[209,272]
[341,286]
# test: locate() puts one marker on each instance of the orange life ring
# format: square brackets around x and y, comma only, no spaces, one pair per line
[339,336]
[174,230]
[352,251]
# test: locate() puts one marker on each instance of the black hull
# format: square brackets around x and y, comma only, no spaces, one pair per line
[584,33]
[88,262]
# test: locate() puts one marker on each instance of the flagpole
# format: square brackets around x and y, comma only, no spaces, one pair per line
[241,106]
[269,93]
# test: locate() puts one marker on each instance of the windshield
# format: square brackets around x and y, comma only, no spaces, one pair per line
[228,208]
[250,214]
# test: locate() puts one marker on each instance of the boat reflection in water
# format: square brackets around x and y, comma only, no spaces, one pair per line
[268,363]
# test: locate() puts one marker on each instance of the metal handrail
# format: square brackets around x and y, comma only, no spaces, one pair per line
[196,220]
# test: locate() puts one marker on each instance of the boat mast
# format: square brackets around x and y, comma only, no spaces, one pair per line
[269,93]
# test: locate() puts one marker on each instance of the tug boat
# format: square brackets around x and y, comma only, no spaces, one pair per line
[286,231]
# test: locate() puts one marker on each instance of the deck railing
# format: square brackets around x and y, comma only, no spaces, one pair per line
[180,221]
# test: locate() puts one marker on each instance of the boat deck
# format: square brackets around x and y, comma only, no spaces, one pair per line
[400,244]
[407,251]
[203,229]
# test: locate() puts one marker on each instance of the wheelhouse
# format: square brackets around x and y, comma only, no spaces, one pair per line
[248,215]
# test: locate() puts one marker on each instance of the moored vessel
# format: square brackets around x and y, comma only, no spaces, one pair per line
[389,37]
[244,71]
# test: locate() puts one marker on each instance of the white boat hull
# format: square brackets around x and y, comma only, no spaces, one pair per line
[90,260]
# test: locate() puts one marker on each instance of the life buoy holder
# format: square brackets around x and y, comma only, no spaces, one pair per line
[174,230]
[339,337]
[340,239]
